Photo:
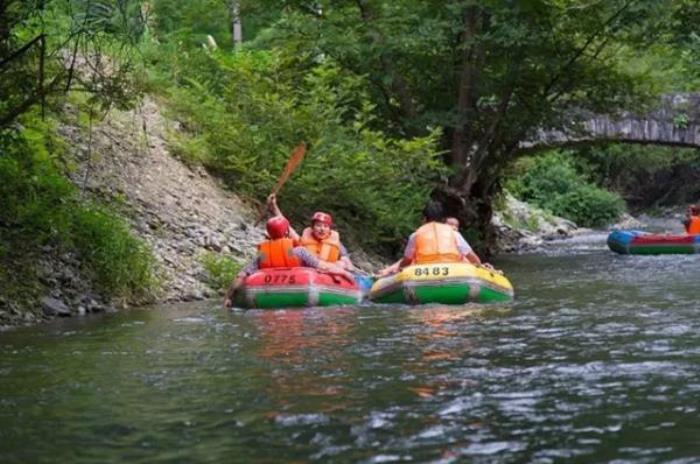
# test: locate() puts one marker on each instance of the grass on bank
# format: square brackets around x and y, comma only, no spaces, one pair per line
[220,269]
[39,206]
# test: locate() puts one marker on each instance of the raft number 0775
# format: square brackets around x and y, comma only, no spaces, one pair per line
[280,279]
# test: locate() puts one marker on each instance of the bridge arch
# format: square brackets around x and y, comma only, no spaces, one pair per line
[675,122]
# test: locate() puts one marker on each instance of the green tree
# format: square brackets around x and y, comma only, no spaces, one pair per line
[191,21]
[242,112]
[50,47]
[491,73]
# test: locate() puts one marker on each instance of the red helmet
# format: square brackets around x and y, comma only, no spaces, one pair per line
[322,217]
[277,227]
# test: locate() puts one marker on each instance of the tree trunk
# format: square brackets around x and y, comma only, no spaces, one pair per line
[458,196]
[465,93]
[470,192]
[471,201]
[4,30]
[236,27]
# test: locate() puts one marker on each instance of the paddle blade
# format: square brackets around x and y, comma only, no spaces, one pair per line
[292,163]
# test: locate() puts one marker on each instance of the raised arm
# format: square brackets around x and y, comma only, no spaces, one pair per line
[274,209]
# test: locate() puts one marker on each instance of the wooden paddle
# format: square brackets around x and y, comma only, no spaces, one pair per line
[294,160]
[292,163]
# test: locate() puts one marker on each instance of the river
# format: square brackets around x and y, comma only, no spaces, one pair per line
[596,360]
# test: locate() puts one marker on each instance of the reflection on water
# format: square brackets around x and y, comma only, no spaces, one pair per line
[596,360]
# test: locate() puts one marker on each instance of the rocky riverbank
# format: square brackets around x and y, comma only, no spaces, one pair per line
[185,215]
[182,212]
[521,226]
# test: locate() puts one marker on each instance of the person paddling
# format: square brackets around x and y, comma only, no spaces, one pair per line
[435,242]
[281,250]
[319,239]
[470,257]
[692,220]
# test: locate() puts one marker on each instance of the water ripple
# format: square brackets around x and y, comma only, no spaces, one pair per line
[595,361]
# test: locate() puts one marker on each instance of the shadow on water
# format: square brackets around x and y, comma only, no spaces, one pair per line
[595,360]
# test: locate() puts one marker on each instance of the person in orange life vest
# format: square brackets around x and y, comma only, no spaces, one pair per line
[692,220]
[434,242]
[470,257]
[319,239]
[280,250]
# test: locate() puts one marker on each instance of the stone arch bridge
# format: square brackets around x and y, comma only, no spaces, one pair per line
[674,122]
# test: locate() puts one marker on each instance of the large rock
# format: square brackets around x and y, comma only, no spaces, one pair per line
[54,307]
[520,225]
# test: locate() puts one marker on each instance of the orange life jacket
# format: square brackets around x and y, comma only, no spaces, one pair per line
[277,253]
[693,226]
[327,249]
[436,242]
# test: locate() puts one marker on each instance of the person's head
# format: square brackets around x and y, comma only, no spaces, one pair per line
[452,222]
[694,210]
[432,211]
[321,224]
[277,227]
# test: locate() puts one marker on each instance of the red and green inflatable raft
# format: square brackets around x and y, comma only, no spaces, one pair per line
[635,242]
[294,288]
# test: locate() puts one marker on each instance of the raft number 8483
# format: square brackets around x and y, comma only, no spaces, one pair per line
[436,271]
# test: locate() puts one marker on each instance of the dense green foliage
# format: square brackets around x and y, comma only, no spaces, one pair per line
[189,22]
[220,269]
[39,206]
[489,73]
[243,112]
[49,49]
[645,176]
[398,100]
[552,182]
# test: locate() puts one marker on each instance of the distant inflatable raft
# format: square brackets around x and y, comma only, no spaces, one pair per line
[445,283]
[296,287]
[635,242]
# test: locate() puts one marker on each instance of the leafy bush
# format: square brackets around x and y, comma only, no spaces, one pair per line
[551,181]
[647,176]
[120,263]
[588,205]
[39,206]
[539,178]
[243,112]
[221,269]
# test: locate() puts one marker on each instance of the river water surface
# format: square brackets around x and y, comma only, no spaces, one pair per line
[596,360]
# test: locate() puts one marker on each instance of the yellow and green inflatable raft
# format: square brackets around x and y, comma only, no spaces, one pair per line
[446,283]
